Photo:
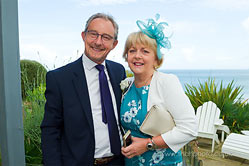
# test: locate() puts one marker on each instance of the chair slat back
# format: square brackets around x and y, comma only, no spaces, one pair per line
[207,115]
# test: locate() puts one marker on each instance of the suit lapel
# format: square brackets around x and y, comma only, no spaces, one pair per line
[115,86]
[80,84]
[114,82]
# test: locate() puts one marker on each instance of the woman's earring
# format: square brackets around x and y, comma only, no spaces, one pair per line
[155,67]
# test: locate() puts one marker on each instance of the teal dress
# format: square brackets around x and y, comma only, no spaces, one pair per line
[133,112]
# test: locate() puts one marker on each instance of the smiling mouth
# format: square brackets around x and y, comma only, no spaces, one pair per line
[138,64]
[97,49]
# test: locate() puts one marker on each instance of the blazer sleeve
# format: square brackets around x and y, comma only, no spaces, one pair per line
[178,104]
[52,123]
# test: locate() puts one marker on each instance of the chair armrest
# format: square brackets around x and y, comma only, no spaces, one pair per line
[223,128]
[219,122]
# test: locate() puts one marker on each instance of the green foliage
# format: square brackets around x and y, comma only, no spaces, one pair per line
[129,73]
[209,91]
[236,116]
[234,111]
[32,75]
[32,117]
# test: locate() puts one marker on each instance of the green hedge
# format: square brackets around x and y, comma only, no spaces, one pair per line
[32,75]
[33,110]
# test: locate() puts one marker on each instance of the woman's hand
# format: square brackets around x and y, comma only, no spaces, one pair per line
[137,147]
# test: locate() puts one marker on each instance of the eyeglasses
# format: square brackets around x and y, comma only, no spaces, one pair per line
[93,35]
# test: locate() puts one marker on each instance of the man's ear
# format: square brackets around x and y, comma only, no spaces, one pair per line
[83,35]
[115,44]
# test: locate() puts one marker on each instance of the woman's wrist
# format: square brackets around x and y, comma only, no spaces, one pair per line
[151,144]
[154,144]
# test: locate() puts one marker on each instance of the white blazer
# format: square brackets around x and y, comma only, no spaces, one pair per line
[167,93]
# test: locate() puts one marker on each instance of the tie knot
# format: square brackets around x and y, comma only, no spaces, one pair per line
[100,67]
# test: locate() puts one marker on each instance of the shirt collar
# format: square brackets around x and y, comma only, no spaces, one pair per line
[88,63]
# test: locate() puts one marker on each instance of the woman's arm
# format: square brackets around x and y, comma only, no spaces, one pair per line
[180,107]
[166,92]
[139,146]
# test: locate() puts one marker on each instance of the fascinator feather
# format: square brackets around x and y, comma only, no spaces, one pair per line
[156,31]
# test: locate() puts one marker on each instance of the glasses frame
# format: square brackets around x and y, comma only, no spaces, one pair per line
[93,37]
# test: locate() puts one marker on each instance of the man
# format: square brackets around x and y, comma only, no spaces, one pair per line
[76,130]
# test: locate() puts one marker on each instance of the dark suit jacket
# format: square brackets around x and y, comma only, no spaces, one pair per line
[67,128]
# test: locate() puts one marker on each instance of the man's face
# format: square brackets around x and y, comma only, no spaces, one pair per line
[99,40]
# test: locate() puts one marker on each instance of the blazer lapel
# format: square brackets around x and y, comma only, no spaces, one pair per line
[115,86]
[80,84]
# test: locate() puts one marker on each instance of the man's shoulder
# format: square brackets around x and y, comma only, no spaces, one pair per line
[68,67]
[66,70]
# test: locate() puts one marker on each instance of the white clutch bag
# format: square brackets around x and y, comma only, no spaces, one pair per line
[157,122]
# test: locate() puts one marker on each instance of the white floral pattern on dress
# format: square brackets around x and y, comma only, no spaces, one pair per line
[157,156]
[139,105]
[145,89]
[127,117]
[133,103]
[133,111]
[142,160]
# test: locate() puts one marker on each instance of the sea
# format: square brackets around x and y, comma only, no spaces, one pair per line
[193,77]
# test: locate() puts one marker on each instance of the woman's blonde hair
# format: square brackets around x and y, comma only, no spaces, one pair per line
[141,38]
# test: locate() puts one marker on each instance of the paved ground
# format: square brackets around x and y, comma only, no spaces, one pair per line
[216,159]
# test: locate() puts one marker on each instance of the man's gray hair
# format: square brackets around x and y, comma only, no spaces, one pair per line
[106,17]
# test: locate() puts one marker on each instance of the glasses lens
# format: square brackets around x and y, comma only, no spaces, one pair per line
[93,35]
[106,37]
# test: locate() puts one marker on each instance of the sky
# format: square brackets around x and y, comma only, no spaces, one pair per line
[207,34]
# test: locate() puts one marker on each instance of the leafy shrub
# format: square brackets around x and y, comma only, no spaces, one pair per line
[32,75]
[33,114]
[234,111]
[236,116]
[209,91]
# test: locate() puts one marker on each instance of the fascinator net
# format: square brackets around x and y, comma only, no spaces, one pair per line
[156,31]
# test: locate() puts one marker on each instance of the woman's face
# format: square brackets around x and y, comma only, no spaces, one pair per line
[141,59]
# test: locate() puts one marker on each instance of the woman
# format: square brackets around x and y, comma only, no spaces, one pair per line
[150,87]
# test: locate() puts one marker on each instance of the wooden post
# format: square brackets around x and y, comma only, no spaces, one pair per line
[11,126]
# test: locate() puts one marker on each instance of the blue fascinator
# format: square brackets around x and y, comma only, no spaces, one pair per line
[155,31]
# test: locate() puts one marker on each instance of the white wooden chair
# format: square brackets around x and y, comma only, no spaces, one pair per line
[236,145]
[208,116]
